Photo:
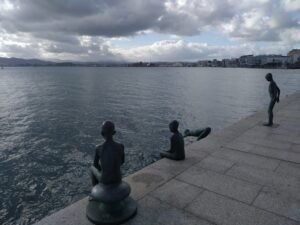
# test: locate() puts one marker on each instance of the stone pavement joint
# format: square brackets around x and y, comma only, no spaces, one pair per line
[245,174]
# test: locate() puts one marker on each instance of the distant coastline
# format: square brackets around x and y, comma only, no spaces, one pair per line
[143,64]
[291,61]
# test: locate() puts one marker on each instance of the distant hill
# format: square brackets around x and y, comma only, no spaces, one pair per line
[23,62]
[37,62]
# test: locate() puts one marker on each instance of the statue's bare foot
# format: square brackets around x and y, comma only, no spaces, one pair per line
[268,124]
[90,198]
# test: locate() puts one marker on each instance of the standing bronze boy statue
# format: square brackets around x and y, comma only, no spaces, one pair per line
[274,92]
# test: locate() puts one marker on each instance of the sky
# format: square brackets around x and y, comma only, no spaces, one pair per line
[147,30]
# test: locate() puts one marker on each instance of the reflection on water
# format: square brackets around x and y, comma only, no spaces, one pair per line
[50,122]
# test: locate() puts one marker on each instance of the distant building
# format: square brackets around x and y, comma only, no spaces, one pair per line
[294,55]
[216,63]
[247,61]
[272,60]
[204,63]
[230,62]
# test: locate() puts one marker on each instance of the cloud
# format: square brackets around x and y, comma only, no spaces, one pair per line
[166,50]
[92,17]
[115,18]
[87,49]
[179,50]
[190,17]
[19,51]
[265,22]
[291,5]
[291,36]
[84,30]
[82,48]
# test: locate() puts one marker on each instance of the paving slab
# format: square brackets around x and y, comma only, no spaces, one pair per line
[280,202]
[220,183]
[146,180]
[176,167]
[289,169]
[208,145]
[263,177]
[225,211]
[240,146]
[226,135]
[152,211]
[282,131]
[279,154]
[177,193]
[215,164]
[295,148]
[256,132]
[247,158]
[289,138]
[262,141]
[290,127]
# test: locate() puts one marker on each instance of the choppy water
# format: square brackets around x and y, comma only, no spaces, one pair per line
[50,122]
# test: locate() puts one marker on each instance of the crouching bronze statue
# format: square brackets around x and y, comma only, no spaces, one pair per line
[176,151]
[109,201]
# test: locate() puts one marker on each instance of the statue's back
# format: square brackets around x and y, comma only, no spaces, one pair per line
[111,159]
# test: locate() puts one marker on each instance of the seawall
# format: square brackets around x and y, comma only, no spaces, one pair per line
[243,174]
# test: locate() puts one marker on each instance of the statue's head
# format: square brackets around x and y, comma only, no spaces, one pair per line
[269,77]
[108,129]
[173,126]
[187,132]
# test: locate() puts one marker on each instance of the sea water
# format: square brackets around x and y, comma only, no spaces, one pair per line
[50,121]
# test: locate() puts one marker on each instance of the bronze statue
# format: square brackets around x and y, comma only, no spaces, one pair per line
[109,150]
[109,201]
[274,92]
[176,151]
[199,133]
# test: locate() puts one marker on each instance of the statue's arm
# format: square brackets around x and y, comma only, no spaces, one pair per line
[97,158]
[173,144]
[273,91]
[123,153]
[278,93]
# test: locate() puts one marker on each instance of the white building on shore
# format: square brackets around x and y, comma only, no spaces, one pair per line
[294,55]
[273,59]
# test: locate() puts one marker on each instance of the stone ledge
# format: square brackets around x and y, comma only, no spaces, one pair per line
[244,174]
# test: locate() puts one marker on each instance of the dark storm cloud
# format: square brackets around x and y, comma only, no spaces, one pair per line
[91,17]
[58,37]
[30,51]
[65,48]
[116,18]
[194,16]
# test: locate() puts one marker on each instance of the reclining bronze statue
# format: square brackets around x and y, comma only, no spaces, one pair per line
[199,133]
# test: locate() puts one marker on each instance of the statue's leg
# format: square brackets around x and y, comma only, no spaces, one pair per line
[204,133]
[165,154]
[270,112]
[95,175]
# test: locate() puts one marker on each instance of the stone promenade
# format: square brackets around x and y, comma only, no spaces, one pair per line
[245,174]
